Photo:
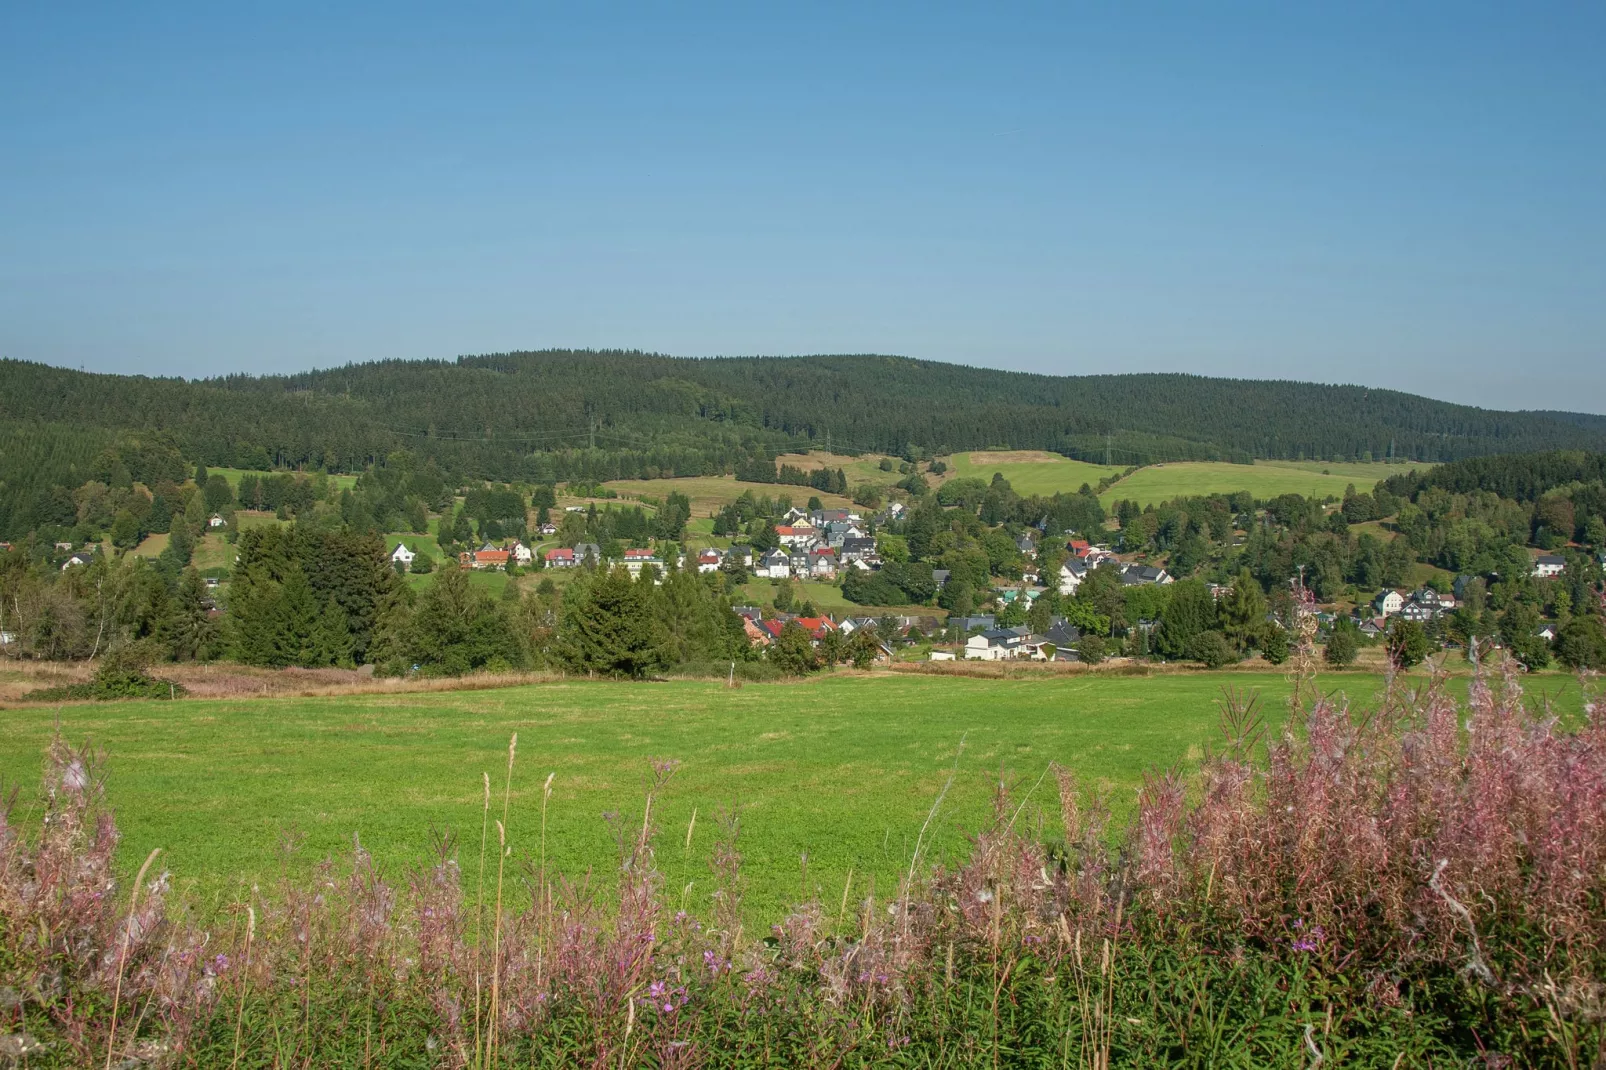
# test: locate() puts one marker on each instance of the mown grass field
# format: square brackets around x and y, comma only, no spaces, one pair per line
[843,768]
[709,494]
[1263,479]
[1030,471]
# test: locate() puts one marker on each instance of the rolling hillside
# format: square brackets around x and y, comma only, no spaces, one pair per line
[559,415]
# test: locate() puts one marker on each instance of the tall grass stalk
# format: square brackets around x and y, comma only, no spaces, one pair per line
[496,942]
[479,914]
[245,982]
[122,954]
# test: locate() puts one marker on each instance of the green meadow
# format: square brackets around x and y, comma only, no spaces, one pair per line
[841,769]
[1030,471]
[1263,479]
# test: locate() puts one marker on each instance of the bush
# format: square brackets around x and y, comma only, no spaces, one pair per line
[1090,648]
[1342,644]
[1274,644]
[1582,644]
[121,675]
[1211,649]
[1407,643]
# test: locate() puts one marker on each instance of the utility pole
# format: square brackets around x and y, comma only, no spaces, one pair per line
[1106,449]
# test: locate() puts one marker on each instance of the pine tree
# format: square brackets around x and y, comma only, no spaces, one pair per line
[608,628]
[330,642]
[1242,612]
[191,633]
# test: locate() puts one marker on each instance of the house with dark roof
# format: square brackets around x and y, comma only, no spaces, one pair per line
[1134,575]
[997,644]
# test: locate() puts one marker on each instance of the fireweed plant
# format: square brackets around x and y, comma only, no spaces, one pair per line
[1422,883]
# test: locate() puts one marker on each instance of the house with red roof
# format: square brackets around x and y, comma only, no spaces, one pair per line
[562,557]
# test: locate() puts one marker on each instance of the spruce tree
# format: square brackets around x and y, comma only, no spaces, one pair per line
[1242,611]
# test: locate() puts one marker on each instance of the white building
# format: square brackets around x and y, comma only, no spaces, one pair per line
[775,564]
[1548,565]
[402,555]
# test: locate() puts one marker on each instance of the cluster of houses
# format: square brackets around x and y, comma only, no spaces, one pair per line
[1085,558]
[1419,606]
[990,643]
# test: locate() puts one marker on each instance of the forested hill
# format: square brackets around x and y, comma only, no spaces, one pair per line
[564,414]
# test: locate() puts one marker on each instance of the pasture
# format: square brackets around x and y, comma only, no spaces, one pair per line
[841,768]
[344,482]
[709,494]
[1030,471]
[1263,479]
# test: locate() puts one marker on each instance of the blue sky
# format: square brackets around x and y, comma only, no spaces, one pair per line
[1404,195]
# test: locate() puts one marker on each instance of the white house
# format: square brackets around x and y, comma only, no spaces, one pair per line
[996,645]
[1072,573]
[1547,633]
[402,555]
[1388,603]
[522,554]
[75,559]
[709,560]
[1547,565]
[215,522]
[796,535]
[638,559]
[775,564]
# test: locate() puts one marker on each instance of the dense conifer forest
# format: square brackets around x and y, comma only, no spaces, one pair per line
[550,416]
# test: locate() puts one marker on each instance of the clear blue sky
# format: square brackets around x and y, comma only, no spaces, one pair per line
[1408,195]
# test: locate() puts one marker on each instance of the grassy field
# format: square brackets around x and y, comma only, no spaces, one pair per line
[1030,471]
[843,768]
[1263,479]
[709,494]
[233,476]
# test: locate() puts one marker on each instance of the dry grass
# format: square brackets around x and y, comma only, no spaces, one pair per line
[223,680]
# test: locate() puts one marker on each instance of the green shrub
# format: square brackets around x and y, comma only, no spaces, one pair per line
[121,675]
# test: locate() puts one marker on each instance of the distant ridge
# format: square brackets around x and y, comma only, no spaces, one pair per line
[610,413]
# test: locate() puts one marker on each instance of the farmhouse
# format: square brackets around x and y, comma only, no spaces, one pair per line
[796,535]
[487,559]
[636,560]
[1547,565]
[1388,603]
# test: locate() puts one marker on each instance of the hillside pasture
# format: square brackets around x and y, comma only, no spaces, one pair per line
[344,482]
[1029,471]
[1263,479]
[710,494]
[842,768]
